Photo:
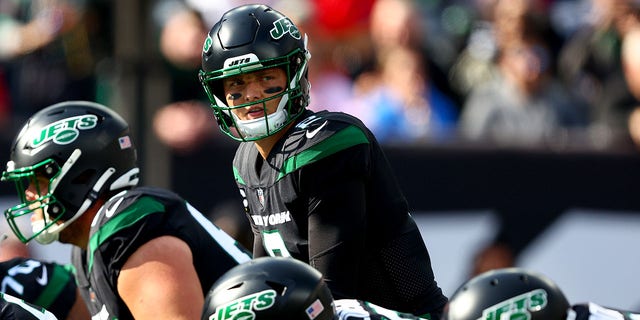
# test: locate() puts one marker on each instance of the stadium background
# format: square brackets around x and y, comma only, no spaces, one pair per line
[574,213]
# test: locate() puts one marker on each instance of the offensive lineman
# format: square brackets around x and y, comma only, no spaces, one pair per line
[316,186]
[270,288]
[517,293]
[12,308]
[140,252]
[48,285]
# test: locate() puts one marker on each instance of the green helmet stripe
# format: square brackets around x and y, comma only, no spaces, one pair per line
[343,139]
[132,214]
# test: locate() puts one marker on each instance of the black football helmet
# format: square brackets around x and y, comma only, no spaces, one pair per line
[510,293]
[269,288]
[83,150]
[247,39]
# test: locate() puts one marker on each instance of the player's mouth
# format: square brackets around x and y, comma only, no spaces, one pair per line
[255,112]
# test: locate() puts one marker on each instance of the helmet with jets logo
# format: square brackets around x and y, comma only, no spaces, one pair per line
[510,293]
[247,39]
[269,288]
[82,150]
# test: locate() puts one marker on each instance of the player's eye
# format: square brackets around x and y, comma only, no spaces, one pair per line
[234,96]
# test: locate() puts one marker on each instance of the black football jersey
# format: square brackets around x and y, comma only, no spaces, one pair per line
[13,308]
[326,195]
[129,220]
[45,284]
[351,309]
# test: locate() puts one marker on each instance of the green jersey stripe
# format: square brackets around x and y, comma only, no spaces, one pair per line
[132,214]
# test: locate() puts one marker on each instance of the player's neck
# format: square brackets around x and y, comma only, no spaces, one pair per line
[77,233]
[265,145]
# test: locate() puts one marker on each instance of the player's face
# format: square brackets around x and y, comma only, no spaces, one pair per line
[255,86]
[38,187]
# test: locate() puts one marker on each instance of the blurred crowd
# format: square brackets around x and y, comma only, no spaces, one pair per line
[550,73]
[509,72]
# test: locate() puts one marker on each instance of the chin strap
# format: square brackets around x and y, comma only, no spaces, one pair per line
[51,233]
[75,155]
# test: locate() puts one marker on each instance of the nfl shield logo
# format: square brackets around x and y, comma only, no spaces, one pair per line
[261,196]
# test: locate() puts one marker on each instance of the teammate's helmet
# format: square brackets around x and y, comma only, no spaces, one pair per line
[83,150]
[247,39]
[270,288]
[510,293]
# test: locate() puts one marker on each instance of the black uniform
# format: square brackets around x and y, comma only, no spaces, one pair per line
[12,308]
[351,309]
[593,311]
[131,219]
[47,285]
[326,195]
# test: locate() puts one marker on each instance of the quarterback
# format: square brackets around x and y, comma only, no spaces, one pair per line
[315,186]
[270,288]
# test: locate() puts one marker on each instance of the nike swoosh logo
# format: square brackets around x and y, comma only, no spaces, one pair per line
[110,211]
[43,280]
[312,133]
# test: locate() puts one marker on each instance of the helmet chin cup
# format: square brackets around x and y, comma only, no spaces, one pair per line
[262,127]
[44,236]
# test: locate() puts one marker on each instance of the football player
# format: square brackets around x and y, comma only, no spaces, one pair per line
[45,284]
[516,293]
[12,308]
[273,288]
[315,186]
[139,252]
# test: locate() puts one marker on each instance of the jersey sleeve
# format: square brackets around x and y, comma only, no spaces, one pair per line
[337,218]
[49,285]
[12,308]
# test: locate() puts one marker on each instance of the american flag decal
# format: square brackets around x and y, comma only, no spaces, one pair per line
[315,309]
[124,142]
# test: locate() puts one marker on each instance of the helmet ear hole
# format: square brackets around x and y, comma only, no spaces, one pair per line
[55,209]
[50,170]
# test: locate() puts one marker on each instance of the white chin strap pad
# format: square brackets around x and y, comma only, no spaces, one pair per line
[258,127]
[45,237]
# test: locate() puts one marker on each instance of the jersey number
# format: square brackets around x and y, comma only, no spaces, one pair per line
[24,268]
[273,242]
